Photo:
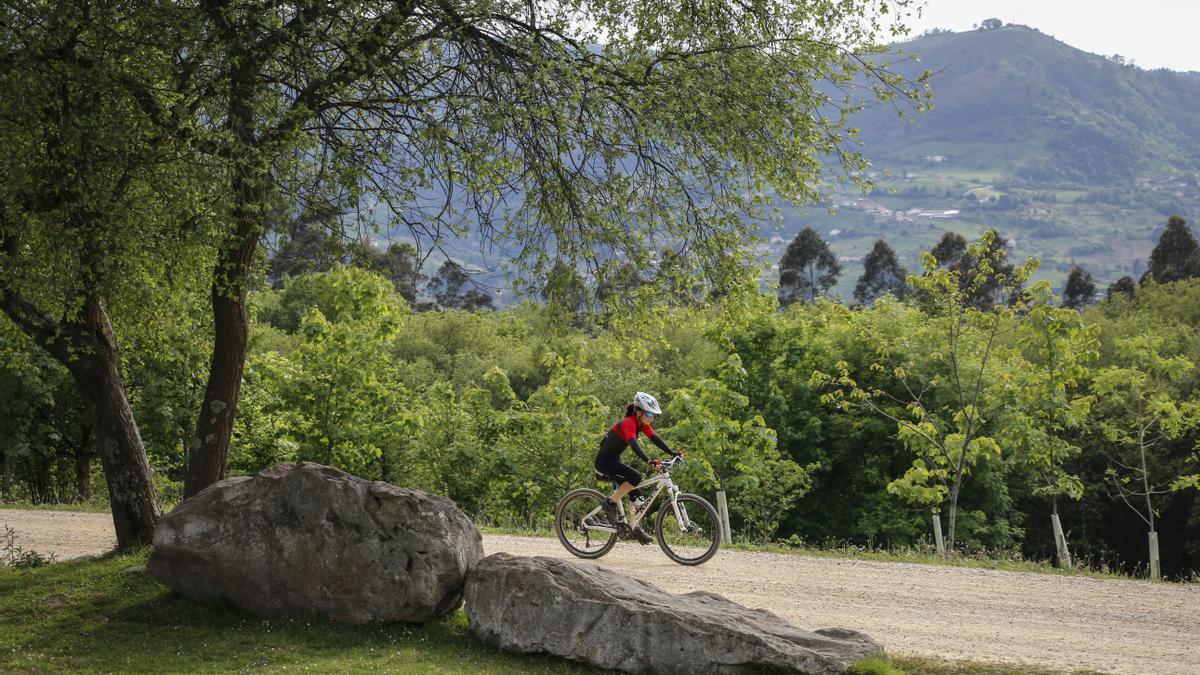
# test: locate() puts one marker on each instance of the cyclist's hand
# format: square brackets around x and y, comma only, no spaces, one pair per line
[679,454]
[655,464]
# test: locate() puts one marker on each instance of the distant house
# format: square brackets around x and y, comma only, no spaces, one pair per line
[939,214]
[936,159]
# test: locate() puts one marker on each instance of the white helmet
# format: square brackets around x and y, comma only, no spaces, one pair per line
[646,402]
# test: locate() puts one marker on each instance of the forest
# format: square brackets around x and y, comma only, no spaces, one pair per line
[976,396]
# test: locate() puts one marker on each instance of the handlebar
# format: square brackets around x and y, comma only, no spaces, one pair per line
[670,464]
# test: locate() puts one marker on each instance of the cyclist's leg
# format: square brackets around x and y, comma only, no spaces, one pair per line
[630,478]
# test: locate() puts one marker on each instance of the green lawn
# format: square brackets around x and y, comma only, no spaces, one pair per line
[95,615]
[106,614]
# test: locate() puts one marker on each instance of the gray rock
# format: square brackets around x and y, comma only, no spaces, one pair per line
[588,613]
[299,540]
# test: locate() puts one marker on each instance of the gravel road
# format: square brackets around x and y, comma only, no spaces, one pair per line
[922,610]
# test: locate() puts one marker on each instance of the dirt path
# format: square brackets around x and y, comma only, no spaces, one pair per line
[947,612]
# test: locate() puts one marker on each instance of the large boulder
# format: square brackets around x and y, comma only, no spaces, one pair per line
[588,613]
[302,540]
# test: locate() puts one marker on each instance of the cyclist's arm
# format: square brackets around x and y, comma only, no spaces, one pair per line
[637,449]
[662,445]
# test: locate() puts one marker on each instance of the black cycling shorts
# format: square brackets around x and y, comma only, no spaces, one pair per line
[612,466]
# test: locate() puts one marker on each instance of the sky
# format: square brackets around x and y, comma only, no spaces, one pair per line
[1154,33]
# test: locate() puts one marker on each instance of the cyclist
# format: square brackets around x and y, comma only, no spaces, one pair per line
[638,416]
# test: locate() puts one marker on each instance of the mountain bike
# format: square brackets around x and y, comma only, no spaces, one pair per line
[687,527]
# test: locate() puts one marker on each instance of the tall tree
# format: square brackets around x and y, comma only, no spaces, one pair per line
[447,288]
[983,270]
[400,263]
[1177,255]
[98,218]
[950,249]
[1123,287]
[565,291]
[808,268]
[882,274]
[1080,289]
[303,246]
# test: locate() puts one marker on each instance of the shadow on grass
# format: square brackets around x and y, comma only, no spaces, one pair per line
[103,614]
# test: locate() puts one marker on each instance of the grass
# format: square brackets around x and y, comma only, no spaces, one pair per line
[106,614]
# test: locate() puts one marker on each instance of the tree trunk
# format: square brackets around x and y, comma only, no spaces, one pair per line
[952,516]
[214,425]
[131,492]
[7,481]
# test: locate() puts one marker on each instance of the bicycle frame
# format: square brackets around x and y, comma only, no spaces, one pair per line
[659,482]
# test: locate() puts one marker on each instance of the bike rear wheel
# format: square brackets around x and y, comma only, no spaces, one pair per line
[693,541]
[578,513]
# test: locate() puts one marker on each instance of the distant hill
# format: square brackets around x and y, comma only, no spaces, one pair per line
[1020,102]
[1077,158]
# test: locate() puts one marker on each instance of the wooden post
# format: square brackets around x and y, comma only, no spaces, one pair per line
[723,512]
[937,534]
[1155,566]
[1060,541]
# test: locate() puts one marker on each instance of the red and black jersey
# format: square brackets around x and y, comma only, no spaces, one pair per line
[624,434]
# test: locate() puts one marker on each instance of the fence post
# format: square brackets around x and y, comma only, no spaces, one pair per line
[937,533]
[723,513]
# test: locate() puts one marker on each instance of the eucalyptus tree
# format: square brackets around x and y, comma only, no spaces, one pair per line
[807,268]
[1176,256]
[592,132]
[882,273]
[1080,288]
[100,216]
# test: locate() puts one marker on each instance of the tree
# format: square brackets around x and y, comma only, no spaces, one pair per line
[981,269]
[734,451]
[565,291]
[339,394]
[1177,255]
[401,263]
[949,373]
[807,268]
[990,24]
[1048,406]
[950,250]
[446,287]
[305,245]
[101,216]
[1139,407]
[1122,288]
[1080,289]
[882,274]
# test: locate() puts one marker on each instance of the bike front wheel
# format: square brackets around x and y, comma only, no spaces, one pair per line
[581,525]
[690,531]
